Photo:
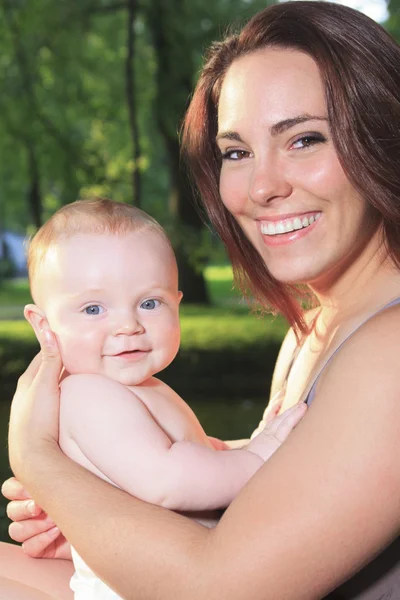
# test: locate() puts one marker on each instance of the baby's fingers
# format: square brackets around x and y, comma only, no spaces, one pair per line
[274,406]
[282,426]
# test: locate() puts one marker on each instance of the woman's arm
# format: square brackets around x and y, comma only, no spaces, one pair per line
[318,510]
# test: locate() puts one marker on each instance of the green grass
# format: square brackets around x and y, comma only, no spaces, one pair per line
[203,328]
[17,330]
[217,328]
[220,286]
[14,294]
[224,347]
[227,323]
[14,291]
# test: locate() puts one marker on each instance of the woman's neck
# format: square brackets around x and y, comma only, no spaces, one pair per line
[366,283]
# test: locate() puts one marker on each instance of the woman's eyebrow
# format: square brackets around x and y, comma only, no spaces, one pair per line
[286,124]
[229,135]
[275,129]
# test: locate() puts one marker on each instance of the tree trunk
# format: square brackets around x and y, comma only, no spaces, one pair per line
[174,85]
[191,279]
[34,193]
[131,103]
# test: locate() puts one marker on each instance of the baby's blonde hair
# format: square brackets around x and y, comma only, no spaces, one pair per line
[92,216]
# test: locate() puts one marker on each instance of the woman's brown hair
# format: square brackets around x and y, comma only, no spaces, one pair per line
[359,65]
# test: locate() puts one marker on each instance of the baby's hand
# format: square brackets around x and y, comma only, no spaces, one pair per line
[276,431]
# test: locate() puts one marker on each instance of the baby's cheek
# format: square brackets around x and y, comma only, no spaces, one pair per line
[79,353]
[171,340]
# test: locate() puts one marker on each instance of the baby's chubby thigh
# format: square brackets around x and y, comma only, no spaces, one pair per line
[15,590]
[38,579]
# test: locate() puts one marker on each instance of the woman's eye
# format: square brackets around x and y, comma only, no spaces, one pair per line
[150,304]
[235,154]
[94,309]
[308,140]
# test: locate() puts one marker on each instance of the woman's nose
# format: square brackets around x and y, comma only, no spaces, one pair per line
[268,182]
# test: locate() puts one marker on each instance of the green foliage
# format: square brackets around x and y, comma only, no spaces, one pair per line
[64,123]
[6,269]
[14,292]
[393,23]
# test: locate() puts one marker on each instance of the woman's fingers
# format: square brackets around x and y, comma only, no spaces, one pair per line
[20,510]
[48,373]
[49,544]
[35,407]
[26,379]
[12,489]
[23,530]
[39,535]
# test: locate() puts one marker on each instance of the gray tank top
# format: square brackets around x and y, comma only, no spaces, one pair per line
[311,393]
[380,579]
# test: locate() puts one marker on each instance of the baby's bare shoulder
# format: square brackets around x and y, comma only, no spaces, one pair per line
[88,394]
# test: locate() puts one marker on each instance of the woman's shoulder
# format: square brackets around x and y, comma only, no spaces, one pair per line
[377,335]
[365,368]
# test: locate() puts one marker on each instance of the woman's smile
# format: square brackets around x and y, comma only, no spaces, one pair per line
[281,178]
[285,230]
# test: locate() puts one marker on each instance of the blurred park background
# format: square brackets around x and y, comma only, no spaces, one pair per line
[92,96]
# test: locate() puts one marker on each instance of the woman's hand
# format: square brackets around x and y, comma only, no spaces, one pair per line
[34,418]
[31,526]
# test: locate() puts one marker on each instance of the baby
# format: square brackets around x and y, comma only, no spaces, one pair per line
[104,278]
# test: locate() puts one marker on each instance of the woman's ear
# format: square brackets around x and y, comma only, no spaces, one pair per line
[36,318]
[180,296]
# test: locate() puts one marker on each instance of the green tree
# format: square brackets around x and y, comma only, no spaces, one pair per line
[96,91]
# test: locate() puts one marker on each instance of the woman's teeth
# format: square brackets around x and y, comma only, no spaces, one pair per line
[287,225]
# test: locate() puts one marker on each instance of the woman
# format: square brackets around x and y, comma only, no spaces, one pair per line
[293,136]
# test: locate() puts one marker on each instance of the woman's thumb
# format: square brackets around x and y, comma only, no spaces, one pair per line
[51,363]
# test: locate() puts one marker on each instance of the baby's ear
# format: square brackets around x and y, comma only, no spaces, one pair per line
[180,296]
[36,317]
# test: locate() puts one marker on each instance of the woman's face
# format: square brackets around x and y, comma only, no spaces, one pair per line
[281,178]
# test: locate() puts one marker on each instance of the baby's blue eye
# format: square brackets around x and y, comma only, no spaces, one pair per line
[150,304]
[94,309]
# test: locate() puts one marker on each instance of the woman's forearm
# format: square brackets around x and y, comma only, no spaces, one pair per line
[324,483]
[170,566]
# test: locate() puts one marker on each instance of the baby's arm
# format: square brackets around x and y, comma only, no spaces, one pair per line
[119,438]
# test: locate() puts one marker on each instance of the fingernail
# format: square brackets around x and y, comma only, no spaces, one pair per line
[33,509]
[53,532]
[48,336]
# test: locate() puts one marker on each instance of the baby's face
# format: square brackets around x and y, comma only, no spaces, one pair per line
[113,303]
